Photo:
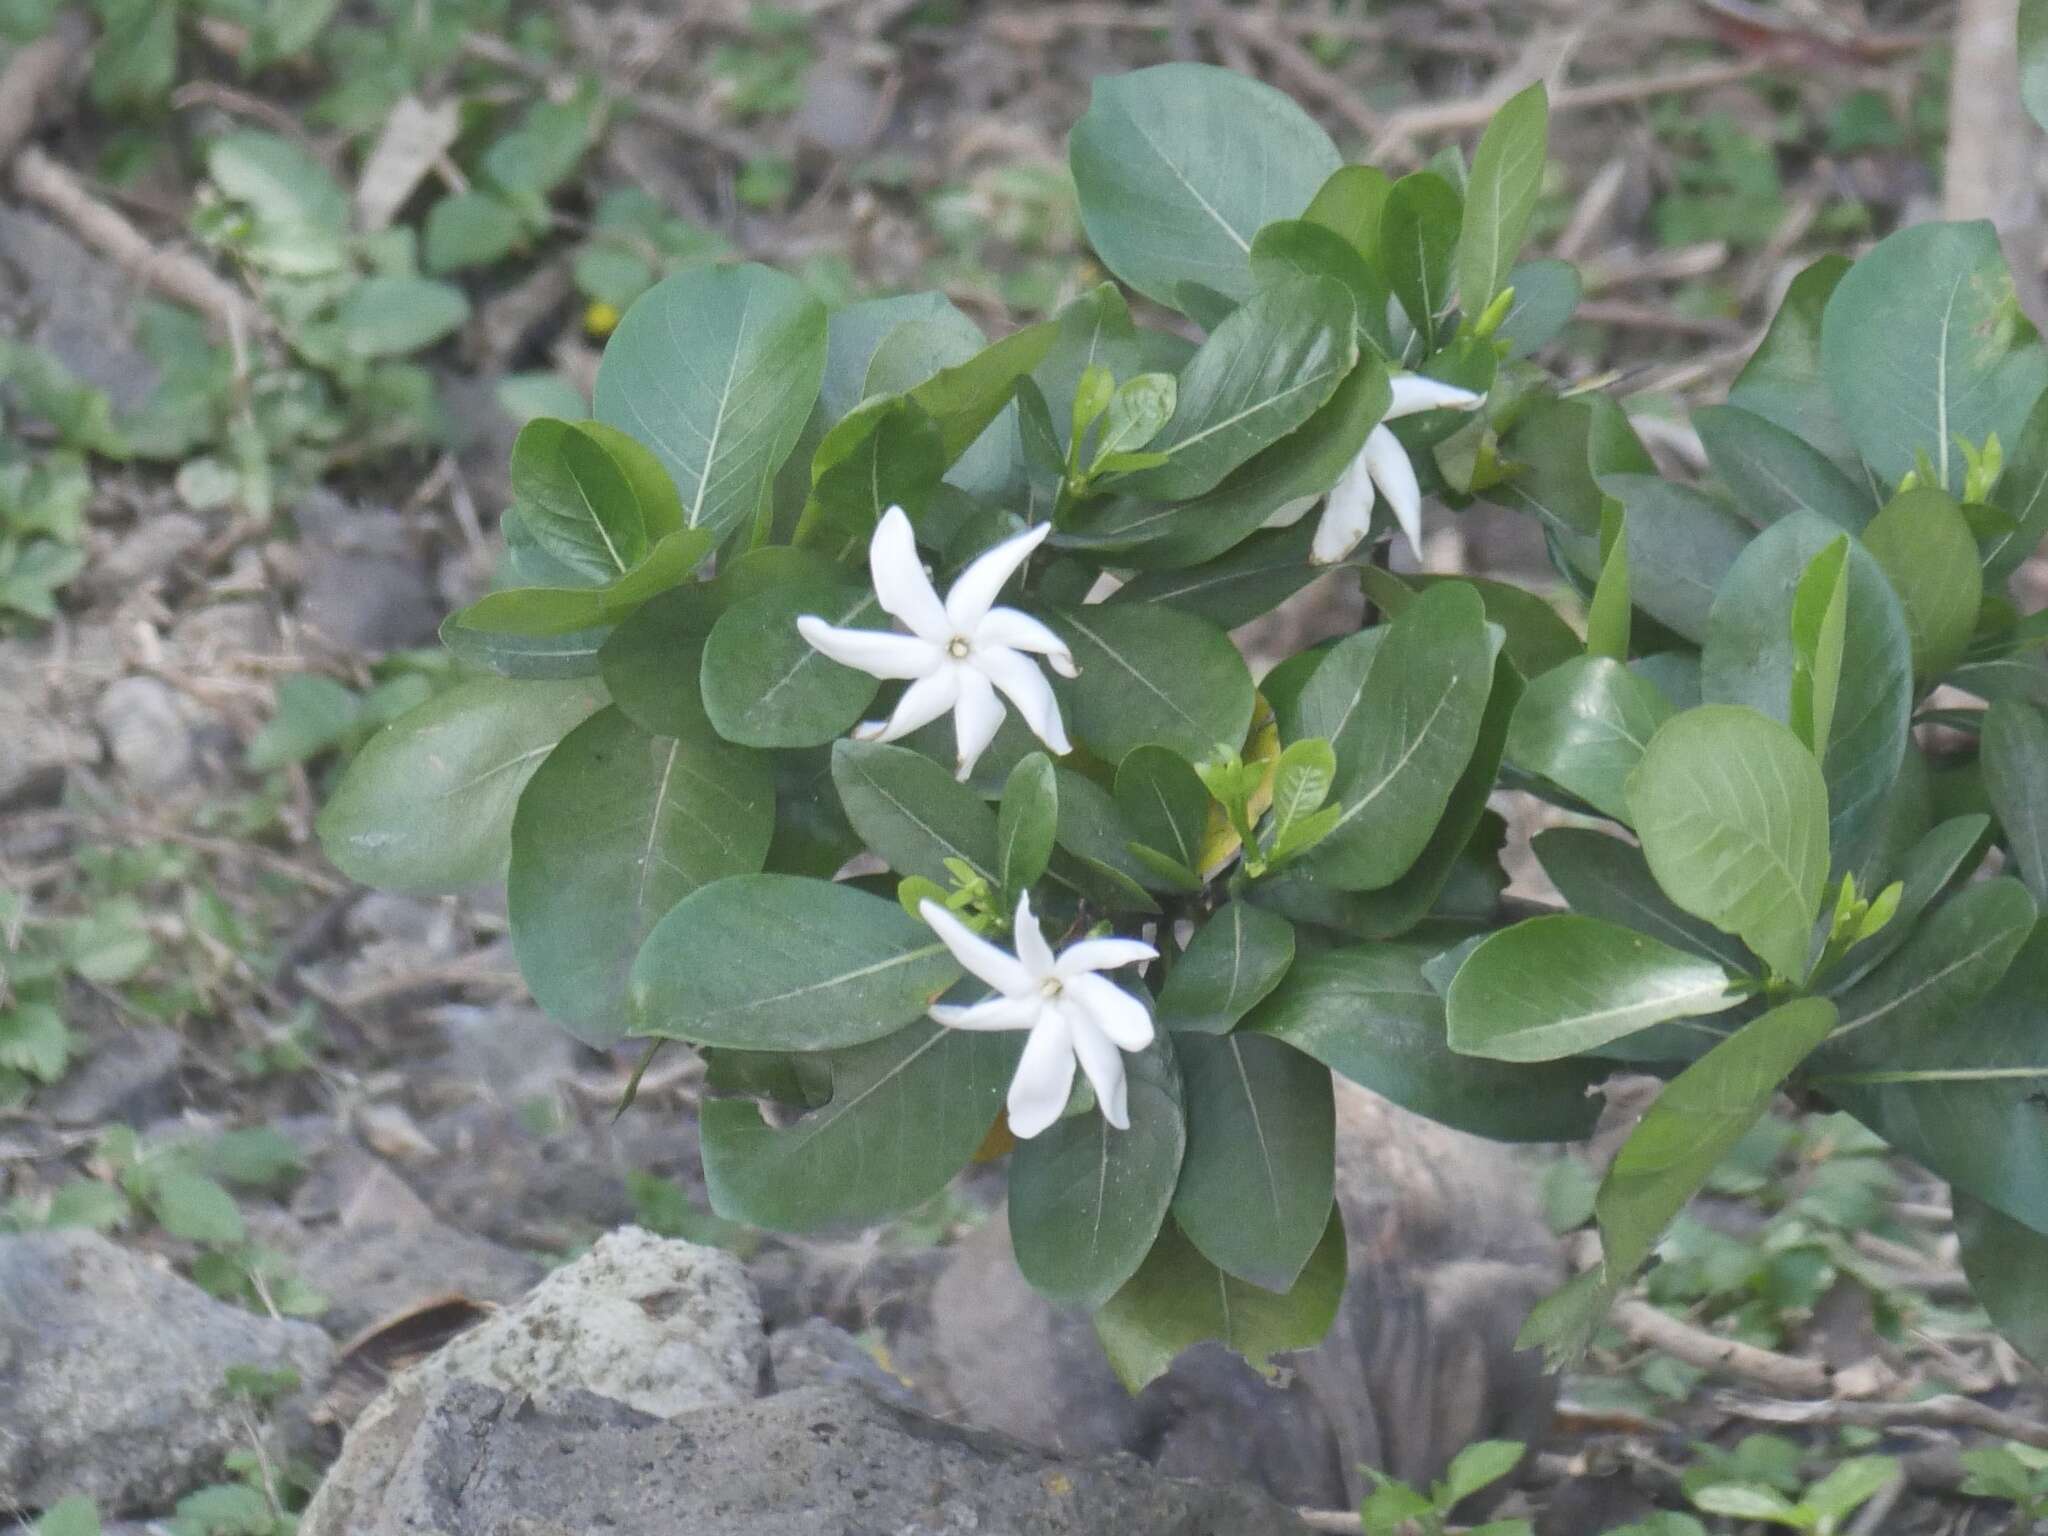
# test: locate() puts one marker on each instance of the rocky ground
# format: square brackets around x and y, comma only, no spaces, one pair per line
[416,1156]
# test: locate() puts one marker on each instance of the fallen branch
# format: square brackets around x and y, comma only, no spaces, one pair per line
[48,184]
[1787,1375]
[1945,1412]
[1298,65]
[1423,121]
[33,75]
[1648,317]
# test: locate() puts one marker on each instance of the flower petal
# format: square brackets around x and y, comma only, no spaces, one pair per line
[1413,394]
[1021,632]
[992,1013]
[1104,1065]
[1045,1076]
[1018,676]
[922,703]
[1101,955]
[900,582]
[975,592]
[1032,950]
[976,718]
[1120,1016]
[1347,517]
[1001,971]
[876,652]
[1395,476]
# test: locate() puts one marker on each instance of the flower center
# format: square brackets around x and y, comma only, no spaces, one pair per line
[1050,987]
[959,647]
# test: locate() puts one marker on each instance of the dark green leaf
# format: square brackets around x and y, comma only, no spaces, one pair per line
[1923,342]
[1604,877]
[1164,803]
[910,811]
[1773,473]
[774,962]
[393,316]
[616,828]
[1262,373]
[1681,545]
[1751,658]
[427,804]
[716,369]
[1087,1201]
[1026,823]
[1178,167]
[1418,238]
[1782,380]
[1369,1014]
[2007,1264]
[1695,1122]
[1234,960]
[905,1114]
[1926,548]
[1178,1299]
[1546,293]
[1500,195]
[1584,727]
[1256,1185]
[2015,757]
[1152,675]
[1245,584]
[1562,985]
[763,684]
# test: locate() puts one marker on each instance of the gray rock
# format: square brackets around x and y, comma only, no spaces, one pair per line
[130,1076]
[148,551]
[364,585]
[147,733]
[112,1370]
[39,742]
[389,1253]
[1447,1255]
[660,1325]
[816,1353]
[461,1459]
[81,309]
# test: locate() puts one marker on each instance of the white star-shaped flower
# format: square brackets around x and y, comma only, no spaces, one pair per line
[959,652]
[1072,1013]
[1383,462]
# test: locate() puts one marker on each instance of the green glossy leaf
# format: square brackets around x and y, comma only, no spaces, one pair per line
[543,612]
[1179,166]
[1773,473]
[1605,877]
[427,804]
[1733,816]
[905,1114]
[1940,1050]
[1546,293]
[778,963]
[1782,380]
[1178,1299]
[1418,239]
[1087,1201]
[1923,342]
[910,811]
[1695,1122]
[1262,373]
[1300,467]
[1256,1185]
[1231,964]
[1752,658]
[616,827]
[1584,727]
[1681,546]
[715,370]
[1246,584]
[1406,725]
[763,684]
[2014,753]
[1094,846]
[1164,803]
[1369,1014]
[1820,619]
[1152,675]
[1026,823]
[1562,985]
[2022,494]
[1926,548]
[1500,195]
[1607,614]
[1538,637]
[2007,1265]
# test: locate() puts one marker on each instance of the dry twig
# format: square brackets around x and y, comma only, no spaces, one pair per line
[1945,1412]
[1787,1375]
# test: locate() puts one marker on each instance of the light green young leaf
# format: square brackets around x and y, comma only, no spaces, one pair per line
[1733,816]
[1820,613]
[1500,195]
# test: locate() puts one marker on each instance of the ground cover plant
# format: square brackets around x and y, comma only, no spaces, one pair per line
[1122,921]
